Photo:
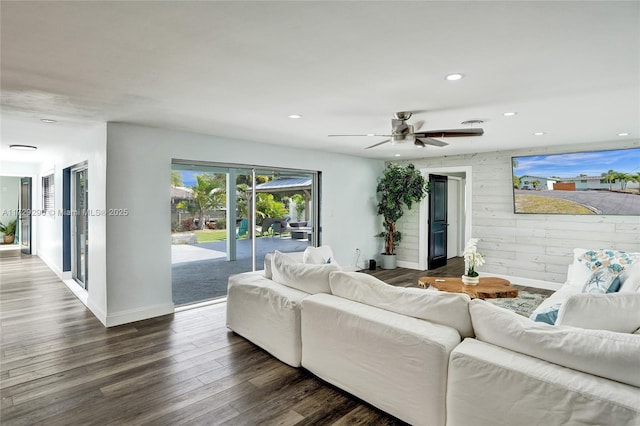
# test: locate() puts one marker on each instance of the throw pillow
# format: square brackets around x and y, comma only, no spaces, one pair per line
[547,314]
[450,309]
[619,312]
[630,279]
[599,352]
[304,277]
[614,260]
[602,281]
[268,259]
[317,255]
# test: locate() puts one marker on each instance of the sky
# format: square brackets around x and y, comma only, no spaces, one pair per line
[592,163]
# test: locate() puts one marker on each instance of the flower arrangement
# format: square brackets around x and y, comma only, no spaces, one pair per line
[472,258]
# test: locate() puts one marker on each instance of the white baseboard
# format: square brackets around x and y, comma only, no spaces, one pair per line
[527,282]
[54,268]
[408,265]
[77,291]
[132,315]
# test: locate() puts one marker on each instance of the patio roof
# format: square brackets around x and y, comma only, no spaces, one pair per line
[285,185]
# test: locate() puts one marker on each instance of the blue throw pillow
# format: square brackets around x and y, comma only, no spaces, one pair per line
[548,315]
[602,281]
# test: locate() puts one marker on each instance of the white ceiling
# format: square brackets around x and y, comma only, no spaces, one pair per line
[238,69]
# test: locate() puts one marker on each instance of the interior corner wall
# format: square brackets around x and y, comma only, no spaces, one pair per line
[531,247]
[89,147]
[138,179]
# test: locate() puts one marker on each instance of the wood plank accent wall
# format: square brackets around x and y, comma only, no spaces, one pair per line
[537,247]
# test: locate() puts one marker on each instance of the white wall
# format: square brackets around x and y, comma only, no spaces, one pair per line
[9,198]
[90,147]
[138,176]
[533,247]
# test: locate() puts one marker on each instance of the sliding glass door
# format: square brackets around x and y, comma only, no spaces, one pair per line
[80,225]
[226,217]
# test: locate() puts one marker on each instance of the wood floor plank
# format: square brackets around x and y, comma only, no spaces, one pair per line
[60,366]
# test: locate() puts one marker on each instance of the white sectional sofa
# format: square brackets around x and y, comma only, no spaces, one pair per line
[432,358]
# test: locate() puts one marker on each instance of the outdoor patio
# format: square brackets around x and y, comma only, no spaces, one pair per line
[200,271]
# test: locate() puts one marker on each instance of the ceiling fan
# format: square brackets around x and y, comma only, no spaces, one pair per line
[403,132]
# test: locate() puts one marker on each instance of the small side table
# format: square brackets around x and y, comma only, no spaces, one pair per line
[487,288]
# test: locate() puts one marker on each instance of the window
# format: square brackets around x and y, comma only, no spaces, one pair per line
[47,195]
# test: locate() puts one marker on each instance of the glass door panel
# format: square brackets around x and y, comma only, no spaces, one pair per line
[80,226]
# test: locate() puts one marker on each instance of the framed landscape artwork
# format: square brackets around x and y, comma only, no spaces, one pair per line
[603,182]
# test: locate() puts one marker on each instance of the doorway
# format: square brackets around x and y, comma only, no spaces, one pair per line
[459,208]
[226,217]
[80,225]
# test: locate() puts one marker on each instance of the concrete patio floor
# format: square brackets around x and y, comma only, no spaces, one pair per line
[200,271]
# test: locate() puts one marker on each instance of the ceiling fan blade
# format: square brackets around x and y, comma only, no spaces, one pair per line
[452,133]
[379,143]
[419,143]
[430,141]
[418,125]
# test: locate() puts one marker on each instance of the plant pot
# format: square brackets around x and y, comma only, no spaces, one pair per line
[387,261]
[467,280]
[8,239]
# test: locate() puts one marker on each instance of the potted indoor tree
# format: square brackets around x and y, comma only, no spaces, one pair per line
[9,231]
[399,187]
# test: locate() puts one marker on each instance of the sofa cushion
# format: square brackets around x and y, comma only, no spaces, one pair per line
[318,255]
[630,279]
[438,307]
[599,352]
[305,277]
[618,312]
[268,259]
[546,314]
[579,272]
[602,281]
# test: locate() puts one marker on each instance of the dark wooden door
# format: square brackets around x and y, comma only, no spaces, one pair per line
[437,256]
[25,215]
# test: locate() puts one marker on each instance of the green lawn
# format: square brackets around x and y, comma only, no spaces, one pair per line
[541,204]
[211,235]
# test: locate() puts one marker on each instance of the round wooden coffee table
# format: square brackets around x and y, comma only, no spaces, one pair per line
[487,288]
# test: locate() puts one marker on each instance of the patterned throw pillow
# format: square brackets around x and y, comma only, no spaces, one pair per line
[548,315]
[614,260]
[602,281]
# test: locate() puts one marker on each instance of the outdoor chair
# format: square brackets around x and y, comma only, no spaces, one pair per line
[279,227]
[243,228]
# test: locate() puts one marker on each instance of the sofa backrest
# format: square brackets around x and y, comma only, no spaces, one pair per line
[450,309]
[608,354]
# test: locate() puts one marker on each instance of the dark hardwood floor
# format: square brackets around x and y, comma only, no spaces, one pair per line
[60,366]
[404,277]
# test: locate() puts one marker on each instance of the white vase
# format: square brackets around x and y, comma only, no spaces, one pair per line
[467,280]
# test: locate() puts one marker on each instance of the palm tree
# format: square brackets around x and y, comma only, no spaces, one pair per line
[624,178]
[536,184]
[208,195]
[609,176]
[176,178]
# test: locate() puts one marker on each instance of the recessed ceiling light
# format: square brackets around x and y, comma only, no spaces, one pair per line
[370,134]
[48,120]
[397,155]
[510,114]
[623,134]
[454,76]
[538,134]
[294,116]
[23,147]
